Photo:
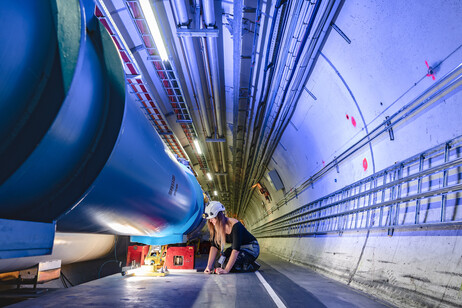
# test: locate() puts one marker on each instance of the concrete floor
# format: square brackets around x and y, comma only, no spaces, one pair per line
[296,287]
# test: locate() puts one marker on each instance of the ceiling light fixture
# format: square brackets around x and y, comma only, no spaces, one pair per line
[154,28]
[215,193]
[209,176]
[198,148]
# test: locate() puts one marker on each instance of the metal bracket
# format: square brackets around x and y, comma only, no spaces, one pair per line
[336,28]
[249,9]
[154,58]
[390,128]
[197,33]
[132,76]
[215,140]
[137,48]
[310,93]
[390,232]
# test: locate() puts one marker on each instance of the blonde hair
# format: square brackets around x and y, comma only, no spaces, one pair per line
[217,231]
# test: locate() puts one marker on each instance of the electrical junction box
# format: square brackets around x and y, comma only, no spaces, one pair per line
[180,258]
[137,254]
[275,179]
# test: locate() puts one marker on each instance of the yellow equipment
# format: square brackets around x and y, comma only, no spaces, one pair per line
[156,257]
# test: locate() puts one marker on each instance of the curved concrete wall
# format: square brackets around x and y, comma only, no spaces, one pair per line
[381,71]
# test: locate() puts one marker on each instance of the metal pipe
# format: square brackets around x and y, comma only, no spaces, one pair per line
[328,14]
[276,87]
[192,63]
[273,44]
[297,59]
[251,98]
[237,48]
[306,66]
[210,147]
[195,75]
[320,232]
[196,79]
[214,159]
[224,162]
[209,20]
[453,188]
[208,74]
[305,210]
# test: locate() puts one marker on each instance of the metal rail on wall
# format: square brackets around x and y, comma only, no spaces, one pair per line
[423,190]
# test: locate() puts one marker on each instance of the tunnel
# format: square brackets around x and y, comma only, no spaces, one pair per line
[329,129]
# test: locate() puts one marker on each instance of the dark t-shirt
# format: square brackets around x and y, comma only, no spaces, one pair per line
[239,236]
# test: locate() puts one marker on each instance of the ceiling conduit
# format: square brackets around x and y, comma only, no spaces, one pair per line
[210,147]
[292,38]
[209,20]
[237,141]
[289,72]
[191,59]
[273,45]
[251,98]
[302,73]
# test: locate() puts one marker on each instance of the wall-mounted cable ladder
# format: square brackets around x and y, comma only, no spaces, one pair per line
[424,190]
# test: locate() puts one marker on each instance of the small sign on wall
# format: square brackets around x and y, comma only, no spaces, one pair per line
[275,179]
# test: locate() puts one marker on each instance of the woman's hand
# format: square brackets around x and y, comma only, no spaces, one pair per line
[207,271]
[221,271]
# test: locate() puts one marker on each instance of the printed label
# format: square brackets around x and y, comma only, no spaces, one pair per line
[172,185]
[221,260]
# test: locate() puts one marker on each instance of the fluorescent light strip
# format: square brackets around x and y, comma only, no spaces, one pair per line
[153,28]
[125,48]
[209,176]
[198,148]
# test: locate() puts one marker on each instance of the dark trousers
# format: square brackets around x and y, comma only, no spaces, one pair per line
[245,261]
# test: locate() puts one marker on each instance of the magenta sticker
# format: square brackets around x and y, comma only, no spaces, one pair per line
[365,164]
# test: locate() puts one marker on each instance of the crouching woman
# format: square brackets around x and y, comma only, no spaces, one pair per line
[244,250]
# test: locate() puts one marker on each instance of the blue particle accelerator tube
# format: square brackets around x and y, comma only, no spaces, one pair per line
[76,152]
